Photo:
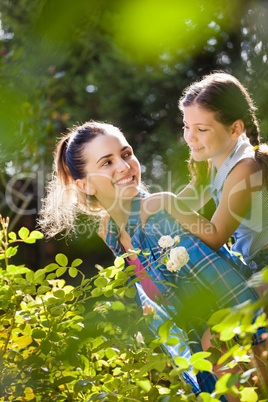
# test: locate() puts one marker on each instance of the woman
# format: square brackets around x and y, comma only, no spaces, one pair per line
[97,173]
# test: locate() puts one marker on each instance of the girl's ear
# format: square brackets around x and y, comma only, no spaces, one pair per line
[237,128]
[84,186]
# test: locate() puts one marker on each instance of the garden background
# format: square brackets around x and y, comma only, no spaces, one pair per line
[123,62]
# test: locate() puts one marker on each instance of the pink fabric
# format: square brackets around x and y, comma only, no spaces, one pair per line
[148,285]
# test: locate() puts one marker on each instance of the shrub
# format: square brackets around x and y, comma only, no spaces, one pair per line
[64,343]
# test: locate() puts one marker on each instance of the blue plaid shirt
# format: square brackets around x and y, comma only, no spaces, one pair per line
[208,282]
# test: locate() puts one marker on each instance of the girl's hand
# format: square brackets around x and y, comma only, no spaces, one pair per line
[151,205]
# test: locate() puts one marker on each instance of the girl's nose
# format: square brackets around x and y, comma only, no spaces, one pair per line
[190,135]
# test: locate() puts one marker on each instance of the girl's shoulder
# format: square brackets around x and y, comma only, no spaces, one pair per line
[247,170]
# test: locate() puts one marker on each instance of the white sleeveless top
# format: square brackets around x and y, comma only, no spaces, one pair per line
[252,233]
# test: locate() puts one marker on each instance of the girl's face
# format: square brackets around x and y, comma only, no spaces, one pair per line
[112,170]
[206,137]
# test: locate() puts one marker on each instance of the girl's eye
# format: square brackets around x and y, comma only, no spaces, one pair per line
[185,127]
[202,130]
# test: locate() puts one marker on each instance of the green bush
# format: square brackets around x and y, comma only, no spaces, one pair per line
[64,343]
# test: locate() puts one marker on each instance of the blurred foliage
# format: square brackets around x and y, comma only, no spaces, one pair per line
[89,342]
[124,62]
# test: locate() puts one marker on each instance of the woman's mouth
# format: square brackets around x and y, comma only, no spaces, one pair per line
[125,180]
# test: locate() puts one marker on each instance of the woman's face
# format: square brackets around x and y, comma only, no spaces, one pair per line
[206,137]
[112,170]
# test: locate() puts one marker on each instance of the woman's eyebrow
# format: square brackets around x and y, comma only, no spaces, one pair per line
[109,155]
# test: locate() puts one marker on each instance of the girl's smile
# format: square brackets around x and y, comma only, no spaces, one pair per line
[206,137]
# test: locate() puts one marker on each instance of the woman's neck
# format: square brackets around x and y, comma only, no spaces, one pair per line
[120,213]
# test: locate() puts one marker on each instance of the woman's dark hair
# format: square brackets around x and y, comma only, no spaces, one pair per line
[224,95]
[64,202]
[69,158]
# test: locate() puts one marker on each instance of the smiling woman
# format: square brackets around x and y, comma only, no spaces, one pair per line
[97,173]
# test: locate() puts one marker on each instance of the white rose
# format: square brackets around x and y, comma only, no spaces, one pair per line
[177,239]
[166,241]
[169,266]
[178,257]
[139,337]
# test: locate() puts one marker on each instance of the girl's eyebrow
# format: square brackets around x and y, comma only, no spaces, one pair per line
[198,124]
[109,155]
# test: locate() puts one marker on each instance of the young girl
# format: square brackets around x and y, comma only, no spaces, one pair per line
[97,173]
[228,164]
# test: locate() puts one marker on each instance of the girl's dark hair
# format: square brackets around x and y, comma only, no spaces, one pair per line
[224,95]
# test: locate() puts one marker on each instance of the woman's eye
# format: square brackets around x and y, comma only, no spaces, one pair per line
[127,154]
[184,127]
[106,163]
[202,130]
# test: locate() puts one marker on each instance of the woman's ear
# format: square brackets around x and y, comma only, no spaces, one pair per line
[237,128]
[85,187]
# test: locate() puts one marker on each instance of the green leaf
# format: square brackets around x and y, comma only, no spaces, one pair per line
[96,292]
[64,380]
[181,362]
[45,346]
[198,356]
[205,397]
[43,289]
[265,274]
[11,251]
[23,233]
[203,365]
[38,333]
[100,282]
[35,234]
[60,271]
[13,269]
[60,294]
[164,329]
[248,395]
[218,316]
[110,353]
[23,340]
[76,262]
[119,262]
[145,385]
[118,305]
[12,235]
[29,241]
[39,276]
[61,259]
[130,292]
[226,382]
[73,272]
[30,276]
[51,267]
[172,341]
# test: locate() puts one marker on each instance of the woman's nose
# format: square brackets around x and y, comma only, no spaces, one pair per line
[122,165]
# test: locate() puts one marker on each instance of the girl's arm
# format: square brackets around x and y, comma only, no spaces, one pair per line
[193,197]
[239,189]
